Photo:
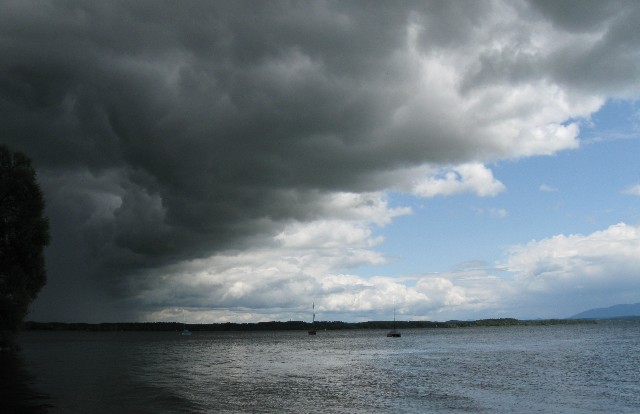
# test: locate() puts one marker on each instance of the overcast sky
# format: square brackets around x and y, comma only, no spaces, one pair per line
[237,161]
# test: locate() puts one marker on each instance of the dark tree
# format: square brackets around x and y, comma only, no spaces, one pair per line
[24,232]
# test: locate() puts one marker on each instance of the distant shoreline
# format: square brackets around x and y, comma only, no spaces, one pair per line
[292,325]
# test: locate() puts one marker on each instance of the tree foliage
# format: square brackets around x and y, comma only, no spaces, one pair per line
[24,232]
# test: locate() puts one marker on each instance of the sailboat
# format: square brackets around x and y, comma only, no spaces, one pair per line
[313,322]
[185,330]
[393,333]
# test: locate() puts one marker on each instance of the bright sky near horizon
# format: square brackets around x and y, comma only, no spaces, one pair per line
[239,160]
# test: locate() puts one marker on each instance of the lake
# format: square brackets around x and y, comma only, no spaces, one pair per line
[545,369]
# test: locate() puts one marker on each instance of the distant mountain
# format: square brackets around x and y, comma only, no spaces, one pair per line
[616,311]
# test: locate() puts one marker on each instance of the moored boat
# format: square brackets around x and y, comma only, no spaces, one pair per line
[313,331]
[394,333]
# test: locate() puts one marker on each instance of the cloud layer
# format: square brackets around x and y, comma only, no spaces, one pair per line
[175,137]
[599,268]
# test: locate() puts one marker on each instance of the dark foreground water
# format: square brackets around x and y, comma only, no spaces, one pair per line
[545,369]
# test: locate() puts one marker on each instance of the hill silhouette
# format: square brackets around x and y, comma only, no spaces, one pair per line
[612,312]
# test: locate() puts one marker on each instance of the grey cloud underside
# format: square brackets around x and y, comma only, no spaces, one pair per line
[604,65]
[214,121]
[580,15]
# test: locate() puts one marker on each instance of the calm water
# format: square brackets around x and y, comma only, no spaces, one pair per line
[553,369]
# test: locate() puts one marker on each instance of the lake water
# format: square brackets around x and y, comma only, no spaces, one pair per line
[544,369]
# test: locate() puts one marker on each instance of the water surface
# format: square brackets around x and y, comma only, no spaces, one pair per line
[559,369]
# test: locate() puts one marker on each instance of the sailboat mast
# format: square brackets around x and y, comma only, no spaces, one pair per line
[394,333]
[313,320]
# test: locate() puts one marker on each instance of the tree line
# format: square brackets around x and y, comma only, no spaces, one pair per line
[292,325]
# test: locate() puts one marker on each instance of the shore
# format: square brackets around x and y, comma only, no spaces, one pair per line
[293,325]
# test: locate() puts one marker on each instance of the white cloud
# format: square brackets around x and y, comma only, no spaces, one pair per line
[602,267]
[555,277]
[547,188]
[633,190]
[364,207]
[472,178]
[573,258]
[306,260]
[489,98]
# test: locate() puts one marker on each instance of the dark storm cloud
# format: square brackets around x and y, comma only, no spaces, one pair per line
[211,113]
[580,15]
[165,131]
[612,61]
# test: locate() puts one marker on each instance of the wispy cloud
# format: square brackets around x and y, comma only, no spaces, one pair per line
[632,190]
[492,211]
[547,188]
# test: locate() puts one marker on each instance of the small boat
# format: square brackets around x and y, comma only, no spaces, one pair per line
[313,321]
[394,333]
[185,331]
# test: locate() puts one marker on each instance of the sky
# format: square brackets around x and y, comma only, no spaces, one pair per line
[239,161]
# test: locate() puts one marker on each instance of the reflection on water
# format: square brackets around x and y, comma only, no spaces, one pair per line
[16,387]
